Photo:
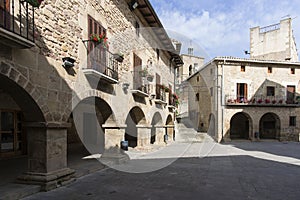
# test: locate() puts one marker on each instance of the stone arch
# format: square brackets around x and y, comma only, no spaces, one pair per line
[269,126]
[23,124]
[30,95]
[135,117]
[87,119]
[240,126]
[156,125]
[170,127]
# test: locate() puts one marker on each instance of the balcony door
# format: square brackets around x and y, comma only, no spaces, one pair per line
[242,92]
[290,94]
[96,51]
[137,65]
[4,14]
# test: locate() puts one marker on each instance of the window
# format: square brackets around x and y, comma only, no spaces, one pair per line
[292,120]
[197,97]
[190,70]
[269,70]
[198,78]
[243,68]
[270,91]
[242,92]
[137,29]
[211,71]
[157,54]
[211,91]
[292,70]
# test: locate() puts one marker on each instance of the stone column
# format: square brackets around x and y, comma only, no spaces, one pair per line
[159,132]
[47,156]
[143,135]
[113,154]
[170,132]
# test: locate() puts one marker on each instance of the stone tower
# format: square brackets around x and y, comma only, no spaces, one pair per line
[274,42]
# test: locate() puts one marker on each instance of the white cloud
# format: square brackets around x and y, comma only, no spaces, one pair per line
[223,29]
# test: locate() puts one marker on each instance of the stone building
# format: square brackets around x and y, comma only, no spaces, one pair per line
[191,64]
[60,87]
[235,98]
[274,42]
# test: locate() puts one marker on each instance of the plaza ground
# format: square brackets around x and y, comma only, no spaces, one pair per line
[204,170]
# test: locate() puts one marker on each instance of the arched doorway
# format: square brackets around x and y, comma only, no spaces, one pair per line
[156,121]
[170,128]
[18,110]
[87,121]
[135,117]
[269,126]
[240,126]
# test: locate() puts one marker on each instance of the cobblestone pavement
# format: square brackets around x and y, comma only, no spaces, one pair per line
[237,170]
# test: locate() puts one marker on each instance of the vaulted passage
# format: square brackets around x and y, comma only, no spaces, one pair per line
[135,117]
[240,126]
[269,126]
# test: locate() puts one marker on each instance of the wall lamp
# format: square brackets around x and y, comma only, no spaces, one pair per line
[68,62]
[133,5]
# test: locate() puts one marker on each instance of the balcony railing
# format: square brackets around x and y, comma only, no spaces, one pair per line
[17,23]
[141,86]
[160,94]
[101,62]
[262,101]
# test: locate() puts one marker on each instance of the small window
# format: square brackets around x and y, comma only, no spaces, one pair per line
[243,68]
[190,70]
[157,54]
[269,70]
[198,78]
[292,70]
[270,91]
[137,29]
[197,97]
[211,91]
[211,71]
[292,120]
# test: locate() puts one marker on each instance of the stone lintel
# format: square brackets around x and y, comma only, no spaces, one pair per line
[114,126]
[143,126]
[53,125]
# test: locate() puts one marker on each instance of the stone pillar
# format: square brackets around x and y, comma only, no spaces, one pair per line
[143,135]
[159,132]
[170,132]
[47,156]
[113,154]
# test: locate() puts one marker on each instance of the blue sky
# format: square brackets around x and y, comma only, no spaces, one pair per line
[221,27]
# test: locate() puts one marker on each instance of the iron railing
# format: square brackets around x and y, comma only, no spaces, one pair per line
[17,16]
[100,59]
[262,100]
[160,93]
[140,81]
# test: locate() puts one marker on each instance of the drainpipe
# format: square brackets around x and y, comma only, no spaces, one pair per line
[223,99]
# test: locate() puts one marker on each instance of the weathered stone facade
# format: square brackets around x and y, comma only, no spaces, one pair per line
[250,96]
[53,98]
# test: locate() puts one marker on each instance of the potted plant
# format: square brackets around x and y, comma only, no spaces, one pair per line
[99,38]
[273,101]
[259,101]
[34,3]
[280,101]
[267,101]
